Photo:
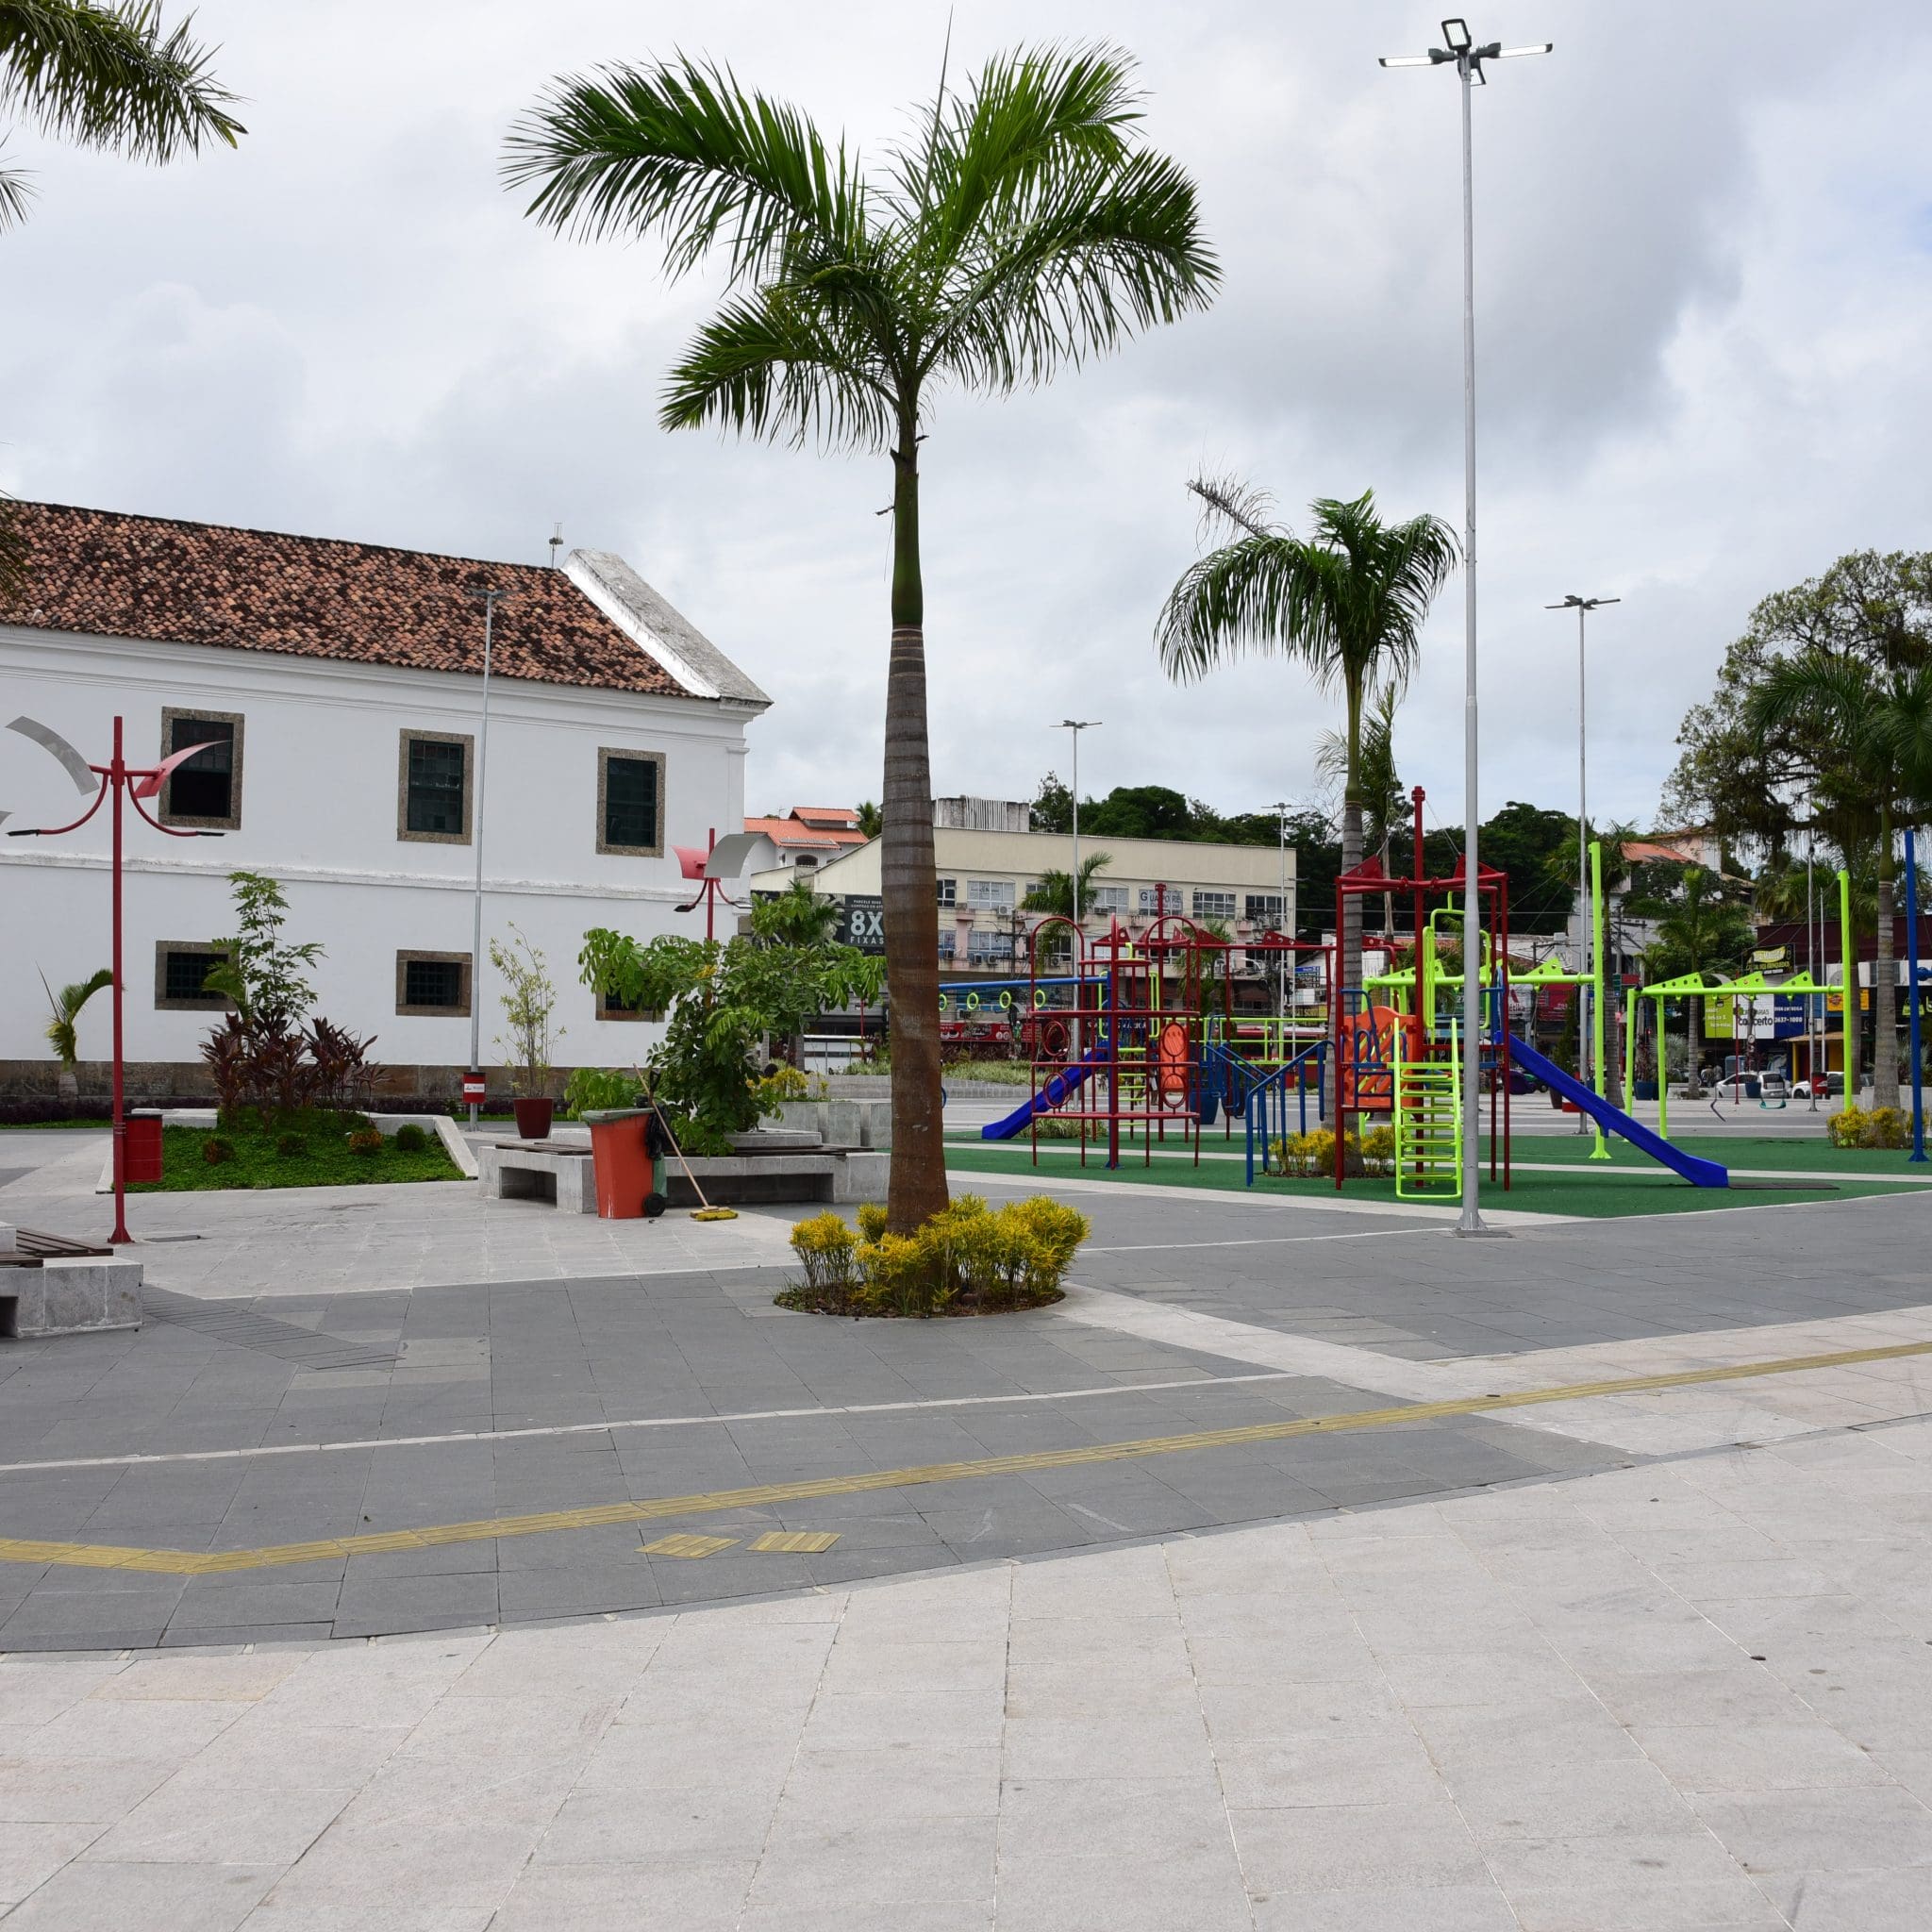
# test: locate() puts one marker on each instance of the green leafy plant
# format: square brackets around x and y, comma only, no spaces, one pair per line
[263,974]
[721,1002]
[290,1144]
[1876,1127]
[966,1259]
[64,1034]
[528,1001]
[410,1139]
[596,1089]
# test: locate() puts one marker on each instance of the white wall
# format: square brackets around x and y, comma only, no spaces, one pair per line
[318,800]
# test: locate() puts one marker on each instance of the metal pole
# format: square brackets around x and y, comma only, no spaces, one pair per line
[117,778]
[1077,921]
[1813,1013]
[1583,895]
[1848,994]
[490,598]
[1918,1153]
[1472,1221]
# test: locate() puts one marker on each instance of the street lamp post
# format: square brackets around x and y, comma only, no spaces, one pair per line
[1468,58]
[1282,960]
[473,1085]
[133,783]
[1077,726]
[1585,1067]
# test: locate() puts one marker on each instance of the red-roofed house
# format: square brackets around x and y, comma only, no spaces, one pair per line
[339,686]
[805,839]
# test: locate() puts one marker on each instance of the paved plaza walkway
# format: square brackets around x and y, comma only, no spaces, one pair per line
[1305,1568]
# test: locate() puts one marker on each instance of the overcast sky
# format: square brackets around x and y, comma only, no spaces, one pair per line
[1703,293]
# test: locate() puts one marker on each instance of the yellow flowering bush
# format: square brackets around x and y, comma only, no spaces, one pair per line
[1877,1127]
[967,1259]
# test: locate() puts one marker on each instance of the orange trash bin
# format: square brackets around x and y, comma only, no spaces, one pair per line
[140,1151]
[620,1162]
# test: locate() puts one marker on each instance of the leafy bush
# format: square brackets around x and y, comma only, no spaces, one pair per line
[1313,1153]
[1378,1149]
[595,1089]
[967,1259]
[366,1141]
[526,1010]
[1879,1126]
[289,1144]
[789,1083]
[216,1150]
[410,1139]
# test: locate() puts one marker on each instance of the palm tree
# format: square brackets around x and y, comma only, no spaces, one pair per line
[870,821]
[1701,931]
[1349,601]
[1053,891]
[108,77]
[1873,722]
[63,1029]
[1020,228]
[1383,807]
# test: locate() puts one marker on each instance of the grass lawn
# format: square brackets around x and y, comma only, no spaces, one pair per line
[48,1127]
[326,1162]
[1608,1192]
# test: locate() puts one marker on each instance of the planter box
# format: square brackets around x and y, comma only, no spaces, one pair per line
[76,1295]
[841,1122]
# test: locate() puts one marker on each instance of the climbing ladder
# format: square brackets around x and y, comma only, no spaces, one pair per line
[1428,1123]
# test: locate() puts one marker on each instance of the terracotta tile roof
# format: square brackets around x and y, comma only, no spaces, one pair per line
[791,831]
[108,574]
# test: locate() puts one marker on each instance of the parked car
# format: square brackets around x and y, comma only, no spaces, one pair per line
[1820,1086]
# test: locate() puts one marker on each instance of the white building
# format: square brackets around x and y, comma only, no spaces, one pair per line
[341,685]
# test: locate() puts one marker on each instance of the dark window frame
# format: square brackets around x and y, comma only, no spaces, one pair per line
[631,756]
[461,960]
[607,1012]
[207,1003]
[172,715]
[409,736]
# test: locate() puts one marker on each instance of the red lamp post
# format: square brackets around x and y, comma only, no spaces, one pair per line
[137,783]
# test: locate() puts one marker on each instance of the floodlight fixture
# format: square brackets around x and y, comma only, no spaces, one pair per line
[1468,58]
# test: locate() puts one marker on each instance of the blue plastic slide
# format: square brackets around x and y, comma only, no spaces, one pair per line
[1699,1172]
[1057,1093]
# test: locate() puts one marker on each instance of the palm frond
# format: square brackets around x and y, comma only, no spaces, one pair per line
[681,148]
[16,193]
[111,77]
[778,364]
[1230,504]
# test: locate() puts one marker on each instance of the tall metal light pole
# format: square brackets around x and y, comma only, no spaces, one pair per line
[1283,960]
[1077,726]
[1582,606]
[1468,58]
[473,1085]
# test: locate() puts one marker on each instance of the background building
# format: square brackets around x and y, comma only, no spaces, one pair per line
[340,685]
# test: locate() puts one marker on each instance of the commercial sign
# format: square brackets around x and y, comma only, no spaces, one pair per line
[862,921]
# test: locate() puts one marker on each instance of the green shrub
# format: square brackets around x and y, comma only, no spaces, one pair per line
[596,1089]
[1879,1126]
[216,1150]
[289,1146]
[410,1139]
[366,1141]
[1378,1149]
[967,1259]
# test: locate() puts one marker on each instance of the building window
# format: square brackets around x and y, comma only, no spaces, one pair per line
[994,896]
[1109,899]
[433,805]
[433,985]
[1154,900]
[181,967]
[630,803]
[1213,904]
[1266,909]
[949,946]
[949,892]
[614,1005]
[204,792]
[989,945]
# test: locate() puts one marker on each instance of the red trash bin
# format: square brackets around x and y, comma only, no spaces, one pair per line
[620,1162]
[140,1151]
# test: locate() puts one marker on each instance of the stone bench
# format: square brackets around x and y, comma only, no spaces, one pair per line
[561,1175]
[65,1294]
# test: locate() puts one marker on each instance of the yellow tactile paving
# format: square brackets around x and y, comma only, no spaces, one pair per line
[683,1545]
[764,1495]
[797,1543]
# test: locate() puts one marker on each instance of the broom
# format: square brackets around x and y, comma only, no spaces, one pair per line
[704,1211]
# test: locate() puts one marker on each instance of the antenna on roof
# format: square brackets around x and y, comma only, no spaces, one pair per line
[555,545]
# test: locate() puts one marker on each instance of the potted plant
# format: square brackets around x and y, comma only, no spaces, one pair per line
[528,1001]
[63,1029]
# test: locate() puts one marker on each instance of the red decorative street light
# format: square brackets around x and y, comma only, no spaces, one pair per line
[137,782]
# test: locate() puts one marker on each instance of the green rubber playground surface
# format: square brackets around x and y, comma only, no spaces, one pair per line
[1607,1190]
[1808,1153]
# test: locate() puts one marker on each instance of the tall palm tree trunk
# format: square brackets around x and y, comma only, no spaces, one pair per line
[917,1186]
[1884,995]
